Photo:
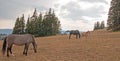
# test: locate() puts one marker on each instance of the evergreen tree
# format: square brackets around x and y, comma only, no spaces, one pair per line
[19,26]
[16,29]
[39,31]
[45,25]
[22,25]
[97,25]
[35,13]
[51,23]
[113,21]
[38,25]
[55,24]
[32,23]
[28,26]
[102,25]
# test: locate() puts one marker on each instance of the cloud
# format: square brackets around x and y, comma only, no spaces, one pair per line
[95,1]
[74,11]
[82,15]
[12,8]
[73,14]
[68,24]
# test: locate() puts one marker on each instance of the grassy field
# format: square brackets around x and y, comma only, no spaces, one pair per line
[99,46]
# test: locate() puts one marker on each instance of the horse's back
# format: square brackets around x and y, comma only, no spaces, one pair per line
[20,39]
[74,32]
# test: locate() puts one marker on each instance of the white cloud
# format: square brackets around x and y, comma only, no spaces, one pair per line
[95,1]
[73,14]
[82,25]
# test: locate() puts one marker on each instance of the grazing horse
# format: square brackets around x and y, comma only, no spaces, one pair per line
[86,34]
[19,40]
[74,32]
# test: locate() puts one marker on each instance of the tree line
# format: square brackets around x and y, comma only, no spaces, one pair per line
[38,25]
[99,25]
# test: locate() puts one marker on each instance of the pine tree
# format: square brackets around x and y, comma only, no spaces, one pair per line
[51,23]
[32,23]
[28,26]
[55,24]
[16,29]
[22,25]
[31,26]
[19,26]
[45,25]
[35,13]
[102,25]
[39,26]
[97,25]
[113,21]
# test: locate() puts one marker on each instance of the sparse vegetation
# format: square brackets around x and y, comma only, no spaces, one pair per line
[100,45]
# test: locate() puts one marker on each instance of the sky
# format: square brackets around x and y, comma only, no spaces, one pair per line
[73,14]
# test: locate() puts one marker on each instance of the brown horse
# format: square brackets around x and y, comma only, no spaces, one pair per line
[86,34]
[20,40]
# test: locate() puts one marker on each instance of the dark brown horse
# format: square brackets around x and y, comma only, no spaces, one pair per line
[20,40]
[74,32]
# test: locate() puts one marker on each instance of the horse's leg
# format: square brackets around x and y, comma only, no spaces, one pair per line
[8,48]
[69,36]
[86,35]
[34,46]
[11,49]
[79,35]
[27,46]
[24,49]
[76,36]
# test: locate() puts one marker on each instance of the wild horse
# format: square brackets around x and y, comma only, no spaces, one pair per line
[74,32]
[86,34]
[19,40]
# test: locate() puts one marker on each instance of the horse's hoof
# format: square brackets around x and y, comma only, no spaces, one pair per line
[35,51]
[7,55]
[13,55]
[23,53]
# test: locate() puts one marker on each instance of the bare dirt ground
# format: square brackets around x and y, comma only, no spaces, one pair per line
[99,46]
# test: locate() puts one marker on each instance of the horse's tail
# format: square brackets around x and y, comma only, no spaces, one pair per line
[4,46]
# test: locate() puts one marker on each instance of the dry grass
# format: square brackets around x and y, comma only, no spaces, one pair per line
[99,46]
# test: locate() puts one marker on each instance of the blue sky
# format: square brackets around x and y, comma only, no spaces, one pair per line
[73,14]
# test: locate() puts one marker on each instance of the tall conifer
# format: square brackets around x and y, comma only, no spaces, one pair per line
[113,21]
